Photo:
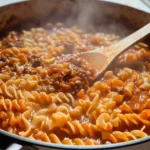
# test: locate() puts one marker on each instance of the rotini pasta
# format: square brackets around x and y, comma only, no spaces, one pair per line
[118,136]
[47,92]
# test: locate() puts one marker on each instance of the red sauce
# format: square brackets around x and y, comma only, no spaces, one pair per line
[138,101]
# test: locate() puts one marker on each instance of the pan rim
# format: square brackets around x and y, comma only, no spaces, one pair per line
[63,146]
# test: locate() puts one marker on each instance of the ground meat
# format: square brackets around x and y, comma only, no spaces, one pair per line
[69,47]
[66,77]
[13,40]
[35,60]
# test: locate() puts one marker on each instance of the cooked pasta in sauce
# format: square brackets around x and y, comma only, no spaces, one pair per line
[46,92]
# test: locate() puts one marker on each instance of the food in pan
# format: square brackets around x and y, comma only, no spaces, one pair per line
[46,91]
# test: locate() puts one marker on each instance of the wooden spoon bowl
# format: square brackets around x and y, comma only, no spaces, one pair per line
[101,59]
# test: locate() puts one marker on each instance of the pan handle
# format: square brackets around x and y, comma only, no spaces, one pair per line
[16,146]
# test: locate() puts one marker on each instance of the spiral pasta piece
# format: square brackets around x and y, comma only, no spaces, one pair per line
[118,136]
[77,128]
[41,97]
[53,138]
[130,119]
[9,105]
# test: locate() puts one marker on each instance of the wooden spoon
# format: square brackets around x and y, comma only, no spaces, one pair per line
[102,61]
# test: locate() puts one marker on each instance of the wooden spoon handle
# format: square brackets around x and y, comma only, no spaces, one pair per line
[116,49]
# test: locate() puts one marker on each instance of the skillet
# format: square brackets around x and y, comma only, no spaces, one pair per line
[113,18]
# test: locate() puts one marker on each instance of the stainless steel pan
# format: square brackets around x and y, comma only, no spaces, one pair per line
[86,13]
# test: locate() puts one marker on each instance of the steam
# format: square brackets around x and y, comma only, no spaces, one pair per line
[97,18]
[85,14]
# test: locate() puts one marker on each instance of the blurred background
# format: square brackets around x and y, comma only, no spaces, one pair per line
[140,4]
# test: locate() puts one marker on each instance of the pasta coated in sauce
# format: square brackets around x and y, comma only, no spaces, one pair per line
[45,91]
